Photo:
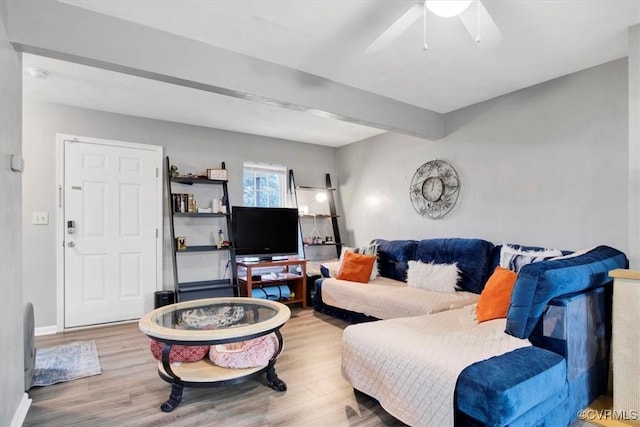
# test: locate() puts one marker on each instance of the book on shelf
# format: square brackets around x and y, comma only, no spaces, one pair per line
[183,203]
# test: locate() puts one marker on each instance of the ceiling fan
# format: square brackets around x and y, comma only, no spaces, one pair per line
[475,18]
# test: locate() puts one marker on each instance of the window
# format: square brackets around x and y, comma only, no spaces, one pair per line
[264,185]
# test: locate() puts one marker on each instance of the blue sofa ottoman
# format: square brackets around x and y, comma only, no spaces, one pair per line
[499,390]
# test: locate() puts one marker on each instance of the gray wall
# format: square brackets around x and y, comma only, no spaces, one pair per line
[11,338]
[192,148]
[545,166]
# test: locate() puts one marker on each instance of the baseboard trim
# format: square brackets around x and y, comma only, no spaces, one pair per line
[45,330]
[21,411]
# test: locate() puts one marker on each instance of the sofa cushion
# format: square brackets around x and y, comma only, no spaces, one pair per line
[497,250]
[515,258]
[370,249]
[329,269]
[539,283]
[393,256]
[472,255]
[433,277]
[498,390]
[356,267]
[496,296]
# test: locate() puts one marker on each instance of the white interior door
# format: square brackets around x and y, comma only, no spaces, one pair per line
[111,205]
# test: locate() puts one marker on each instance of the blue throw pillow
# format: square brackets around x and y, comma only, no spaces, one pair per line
[393,256]
[514,259]
[473,257]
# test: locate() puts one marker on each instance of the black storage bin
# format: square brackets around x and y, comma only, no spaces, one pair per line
[163,298]
[311,287]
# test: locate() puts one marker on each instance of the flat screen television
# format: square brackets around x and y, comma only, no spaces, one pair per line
[264,232]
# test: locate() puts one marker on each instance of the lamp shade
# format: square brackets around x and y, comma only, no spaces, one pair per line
[447,8]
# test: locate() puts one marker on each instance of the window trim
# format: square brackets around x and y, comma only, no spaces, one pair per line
[269,168]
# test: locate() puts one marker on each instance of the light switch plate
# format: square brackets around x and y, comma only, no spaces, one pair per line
[40,218]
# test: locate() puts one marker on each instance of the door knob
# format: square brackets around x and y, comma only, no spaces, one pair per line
[71,244]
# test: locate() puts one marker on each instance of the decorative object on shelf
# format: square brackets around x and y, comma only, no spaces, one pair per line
[220,238]
[181,243]
[314,238]
[434,189]
[224,202]
[217,174]
[173,171]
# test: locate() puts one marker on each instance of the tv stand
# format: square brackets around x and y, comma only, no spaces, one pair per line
[296,281]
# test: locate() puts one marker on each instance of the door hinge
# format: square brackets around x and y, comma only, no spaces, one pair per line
[156,233]
[59,196]
[157,172]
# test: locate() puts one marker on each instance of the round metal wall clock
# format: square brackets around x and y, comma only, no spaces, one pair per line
[434,189]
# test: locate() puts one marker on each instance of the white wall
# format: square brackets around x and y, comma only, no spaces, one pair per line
[545,166]
[13,400]
[192,148]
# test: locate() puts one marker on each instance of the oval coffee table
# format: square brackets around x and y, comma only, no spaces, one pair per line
[209,322]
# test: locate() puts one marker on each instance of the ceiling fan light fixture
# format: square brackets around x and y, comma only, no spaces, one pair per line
[447,8]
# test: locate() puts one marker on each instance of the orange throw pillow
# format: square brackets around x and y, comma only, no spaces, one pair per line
[495,298]
[356,267]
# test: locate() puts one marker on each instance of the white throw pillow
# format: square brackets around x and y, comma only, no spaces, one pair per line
[433,277]
[576,253]
[514,259]
[371,249]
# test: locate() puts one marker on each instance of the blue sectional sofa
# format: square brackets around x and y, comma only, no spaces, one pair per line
[561,306]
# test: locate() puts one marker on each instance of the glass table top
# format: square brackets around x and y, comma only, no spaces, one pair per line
[214,319]
[215,316]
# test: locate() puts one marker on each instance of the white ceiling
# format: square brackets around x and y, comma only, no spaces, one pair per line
[88,87]
[542,40]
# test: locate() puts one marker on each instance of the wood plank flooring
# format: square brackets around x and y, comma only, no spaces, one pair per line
[129,391]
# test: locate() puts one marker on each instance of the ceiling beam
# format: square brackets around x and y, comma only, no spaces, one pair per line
[70,33]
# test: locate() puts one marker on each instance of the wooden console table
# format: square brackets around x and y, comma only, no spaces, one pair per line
[297,281]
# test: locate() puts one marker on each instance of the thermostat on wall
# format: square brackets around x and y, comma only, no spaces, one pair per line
[17,163]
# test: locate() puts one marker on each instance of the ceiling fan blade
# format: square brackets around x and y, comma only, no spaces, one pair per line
[480,25]
[398,27]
